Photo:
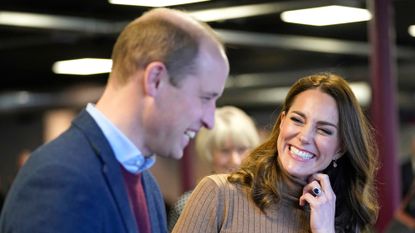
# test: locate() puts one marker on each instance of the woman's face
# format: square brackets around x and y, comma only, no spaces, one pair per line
[228,158]
[309,134]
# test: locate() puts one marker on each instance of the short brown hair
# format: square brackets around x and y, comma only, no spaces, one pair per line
[156,37]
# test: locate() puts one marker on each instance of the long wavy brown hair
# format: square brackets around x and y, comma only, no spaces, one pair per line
[352,180]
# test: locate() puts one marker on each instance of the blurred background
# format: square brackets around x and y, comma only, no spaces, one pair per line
[268,50]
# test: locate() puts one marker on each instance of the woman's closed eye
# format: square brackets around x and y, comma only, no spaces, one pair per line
[297,120]
[325,131]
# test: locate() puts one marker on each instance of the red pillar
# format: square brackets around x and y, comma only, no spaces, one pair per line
[384,109]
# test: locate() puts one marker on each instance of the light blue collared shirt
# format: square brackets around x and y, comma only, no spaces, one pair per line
[125,151]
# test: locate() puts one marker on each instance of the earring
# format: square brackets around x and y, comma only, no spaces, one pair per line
[334,163]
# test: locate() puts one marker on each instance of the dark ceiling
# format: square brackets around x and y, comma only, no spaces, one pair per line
[264,52]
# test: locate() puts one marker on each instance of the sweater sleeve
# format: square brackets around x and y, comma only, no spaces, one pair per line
[204,210]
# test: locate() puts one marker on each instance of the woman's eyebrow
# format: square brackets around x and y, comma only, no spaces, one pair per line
[319,122]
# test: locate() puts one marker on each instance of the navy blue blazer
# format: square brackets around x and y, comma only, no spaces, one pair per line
[75,184]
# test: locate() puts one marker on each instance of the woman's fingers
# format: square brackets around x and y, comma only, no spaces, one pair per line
[323,181]
[316,191]
[319,194]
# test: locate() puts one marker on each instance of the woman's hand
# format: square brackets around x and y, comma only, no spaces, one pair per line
[323,205]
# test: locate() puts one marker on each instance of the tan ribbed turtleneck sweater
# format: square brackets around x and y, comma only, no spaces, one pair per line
[217,205]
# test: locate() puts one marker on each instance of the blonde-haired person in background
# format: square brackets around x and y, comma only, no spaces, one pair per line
[223,147]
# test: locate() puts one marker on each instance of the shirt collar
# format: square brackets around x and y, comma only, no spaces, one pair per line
[127,154]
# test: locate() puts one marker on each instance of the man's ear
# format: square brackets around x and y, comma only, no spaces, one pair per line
[154,73]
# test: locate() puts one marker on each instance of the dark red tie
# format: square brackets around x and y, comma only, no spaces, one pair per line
[137,200]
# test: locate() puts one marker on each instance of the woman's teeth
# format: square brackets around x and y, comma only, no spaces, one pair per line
[300,153]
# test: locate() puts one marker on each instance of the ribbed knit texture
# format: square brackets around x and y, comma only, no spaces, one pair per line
[219,206]
[138,201]
[177,210]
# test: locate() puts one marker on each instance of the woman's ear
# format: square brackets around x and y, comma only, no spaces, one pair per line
[339,154]
[282,118]
[154,73]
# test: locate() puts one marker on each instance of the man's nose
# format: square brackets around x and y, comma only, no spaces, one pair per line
[208,119]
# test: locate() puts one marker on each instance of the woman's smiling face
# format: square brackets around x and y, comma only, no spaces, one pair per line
[309,134]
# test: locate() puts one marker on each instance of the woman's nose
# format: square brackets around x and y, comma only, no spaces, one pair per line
[305,135]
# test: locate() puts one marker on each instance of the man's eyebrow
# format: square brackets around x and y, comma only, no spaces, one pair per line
[212,94]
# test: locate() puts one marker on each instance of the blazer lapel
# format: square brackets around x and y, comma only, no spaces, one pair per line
[110,167]
[155,204]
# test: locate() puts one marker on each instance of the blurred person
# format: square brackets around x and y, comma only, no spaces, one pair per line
[223,147]
[168,71]
[407,169]
[230,140]
[403,220]
[315,173]
[2,197]
[22,158]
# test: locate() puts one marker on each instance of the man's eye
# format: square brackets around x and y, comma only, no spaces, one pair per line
[206,99]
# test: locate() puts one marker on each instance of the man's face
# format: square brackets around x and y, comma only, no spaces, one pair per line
[181,111]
